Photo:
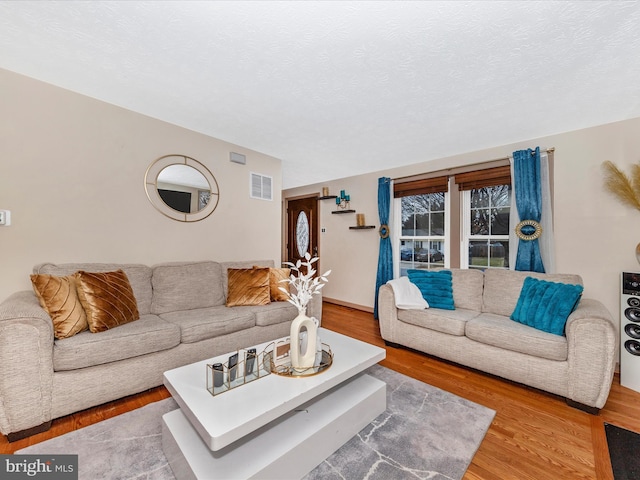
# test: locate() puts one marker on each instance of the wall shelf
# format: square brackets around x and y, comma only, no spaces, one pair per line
[344,211]
[328,197]
[362,227]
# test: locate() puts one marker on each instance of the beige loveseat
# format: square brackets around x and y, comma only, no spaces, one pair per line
[183,319]
[479,334]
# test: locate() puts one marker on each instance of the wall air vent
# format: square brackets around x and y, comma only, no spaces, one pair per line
[261,186]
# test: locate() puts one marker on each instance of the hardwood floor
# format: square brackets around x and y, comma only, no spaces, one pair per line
[534,436]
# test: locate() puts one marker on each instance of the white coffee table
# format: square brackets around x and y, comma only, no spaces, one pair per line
[275,427]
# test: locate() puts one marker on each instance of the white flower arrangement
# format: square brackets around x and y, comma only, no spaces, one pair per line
[304,283]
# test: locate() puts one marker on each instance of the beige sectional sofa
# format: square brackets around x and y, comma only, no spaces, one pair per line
[183,319]
[478,333]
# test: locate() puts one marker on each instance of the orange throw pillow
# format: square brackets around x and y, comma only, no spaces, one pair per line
[107,299]
[58,296]
[275,277]
[248,286]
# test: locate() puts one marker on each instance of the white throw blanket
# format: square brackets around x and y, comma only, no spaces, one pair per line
[407,294]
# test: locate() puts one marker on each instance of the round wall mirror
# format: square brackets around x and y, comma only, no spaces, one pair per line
[181,188]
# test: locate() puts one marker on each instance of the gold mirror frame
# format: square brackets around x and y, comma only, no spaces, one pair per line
[151,187]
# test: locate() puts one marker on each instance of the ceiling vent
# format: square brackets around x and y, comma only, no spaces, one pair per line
[261,186]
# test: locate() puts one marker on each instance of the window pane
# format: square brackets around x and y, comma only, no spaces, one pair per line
[422,225]
[499,254]
[499,221]
[479,197]
[501,196]
[408,228]
[437,202]
[479,254]
[437,224]
[479,222]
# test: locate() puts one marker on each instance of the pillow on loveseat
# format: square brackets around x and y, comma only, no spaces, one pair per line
[436,287]
[546,305]
[248,286]
[58,297]
[107,298]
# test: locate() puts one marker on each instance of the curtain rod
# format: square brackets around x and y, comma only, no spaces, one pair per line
[460,169]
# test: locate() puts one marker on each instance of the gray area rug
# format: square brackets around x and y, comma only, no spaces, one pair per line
[425,433]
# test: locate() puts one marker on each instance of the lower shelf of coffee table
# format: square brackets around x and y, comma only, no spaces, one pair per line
[288,447]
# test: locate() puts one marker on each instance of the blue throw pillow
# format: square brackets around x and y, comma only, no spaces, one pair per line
[546,305]
[436,287]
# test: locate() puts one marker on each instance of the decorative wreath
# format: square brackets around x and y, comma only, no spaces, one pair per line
[384,231]
[528,230]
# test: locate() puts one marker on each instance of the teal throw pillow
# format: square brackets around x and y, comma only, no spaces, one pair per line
[546,305]
[436,287]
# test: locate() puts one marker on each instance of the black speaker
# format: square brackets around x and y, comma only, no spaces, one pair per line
[630,331]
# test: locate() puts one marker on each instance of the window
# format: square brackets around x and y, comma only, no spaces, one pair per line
[422,239]
[486,227]
[458,220]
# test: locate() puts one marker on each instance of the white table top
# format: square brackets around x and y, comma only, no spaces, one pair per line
[227,417]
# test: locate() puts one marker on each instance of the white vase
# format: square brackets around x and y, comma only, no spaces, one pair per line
[303,354]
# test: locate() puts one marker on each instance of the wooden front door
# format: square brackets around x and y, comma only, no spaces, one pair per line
[302,228]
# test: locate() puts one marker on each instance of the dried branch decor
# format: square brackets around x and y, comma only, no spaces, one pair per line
[625,188]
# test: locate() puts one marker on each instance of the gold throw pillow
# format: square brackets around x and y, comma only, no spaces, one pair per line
[107,299]
[275,277]
[58,296]
[248,286]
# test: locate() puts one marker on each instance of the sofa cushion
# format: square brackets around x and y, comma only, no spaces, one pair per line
[451,322]
[107,299]
[240,264]
[186,286]
[248,286]
[139,277]
[546,305]
[502,288]
[203,323]
[436,287]
[274,313]
[59,297]
[468,285]
[147,335]
[502,332]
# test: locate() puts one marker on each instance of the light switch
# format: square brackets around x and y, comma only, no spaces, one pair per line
[5,218]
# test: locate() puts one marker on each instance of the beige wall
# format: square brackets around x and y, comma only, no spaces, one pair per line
[595,235]
[72,174]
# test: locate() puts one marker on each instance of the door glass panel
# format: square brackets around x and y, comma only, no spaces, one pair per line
[302,234]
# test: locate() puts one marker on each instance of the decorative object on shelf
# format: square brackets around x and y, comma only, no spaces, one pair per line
[343,200]
[360,219]
[241,368]
[305,286]
[325,191]
[625,188]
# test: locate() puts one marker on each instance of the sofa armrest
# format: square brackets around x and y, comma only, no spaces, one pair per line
[592,341]
[26,356]
[387,313]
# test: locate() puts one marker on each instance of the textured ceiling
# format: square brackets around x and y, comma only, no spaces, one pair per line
[341,88]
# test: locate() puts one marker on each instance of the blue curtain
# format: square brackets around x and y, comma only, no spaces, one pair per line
[526,172]
[385,258]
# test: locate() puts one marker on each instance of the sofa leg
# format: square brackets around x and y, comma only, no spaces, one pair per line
[583,407]
[14,436]
[392,344]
